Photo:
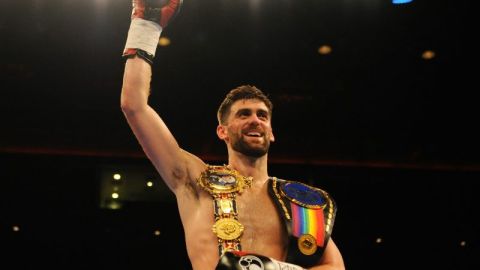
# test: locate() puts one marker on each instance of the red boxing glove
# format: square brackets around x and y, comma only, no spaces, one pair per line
[159,11]
[237,260]
[149,17]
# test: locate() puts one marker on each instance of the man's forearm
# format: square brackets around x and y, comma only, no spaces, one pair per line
[136,85]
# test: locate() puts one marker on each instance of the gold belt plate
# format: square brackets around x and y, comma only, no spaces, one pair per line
[223,180]
[228,229]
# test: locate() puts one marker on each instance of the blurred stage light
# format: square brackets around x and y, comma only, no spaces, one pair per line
[136,183]
[398,2]
[428,54]
[164,41]
[324,49]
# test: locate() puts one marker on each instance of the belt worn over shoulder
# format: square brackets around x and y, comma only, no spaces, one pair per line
[309,214]
[224,184]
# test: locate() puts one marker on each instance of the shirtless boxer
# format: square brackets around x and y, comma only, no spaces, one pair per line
[234,216]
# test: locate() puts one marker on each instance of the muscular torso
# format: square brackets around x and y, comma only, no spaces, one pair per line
[264,232]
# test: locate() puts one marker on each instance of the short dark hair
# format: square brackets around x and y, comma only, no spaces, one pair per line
[239,93]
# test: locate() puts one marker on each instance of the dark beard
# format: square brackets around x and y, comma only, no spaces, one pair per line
[241,146]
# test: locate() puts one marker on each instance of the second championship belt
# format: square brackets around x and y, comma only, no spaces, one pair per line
[224,184]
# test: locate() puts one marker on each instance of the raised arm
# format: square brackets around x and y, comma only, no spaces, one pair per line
[175,165]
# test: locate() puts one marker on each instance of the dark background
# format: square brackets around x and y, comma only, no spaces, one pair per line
[390,135]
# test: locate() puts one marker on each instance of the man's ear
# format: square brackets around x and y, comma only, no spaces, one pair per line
[222,132]
[272,138]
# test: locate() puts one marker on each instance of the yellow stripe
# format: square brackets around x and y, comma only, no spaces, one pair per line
[312,222]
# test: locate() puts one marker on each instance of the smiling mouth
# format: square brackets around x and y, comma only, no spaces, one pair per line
[254,134]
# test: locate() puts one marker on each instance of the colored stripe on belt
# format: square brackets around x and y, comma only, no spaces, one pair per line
[308,221]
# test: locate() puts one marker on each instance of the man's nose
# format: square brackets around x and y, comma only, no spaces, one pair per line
[255,120]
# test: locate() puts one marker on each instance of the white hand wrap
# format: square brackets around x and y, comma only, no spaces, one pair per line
[285,266]
[143,35]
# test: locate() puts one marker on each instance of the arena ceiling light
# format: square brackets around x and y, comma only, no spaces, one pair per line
[398,2]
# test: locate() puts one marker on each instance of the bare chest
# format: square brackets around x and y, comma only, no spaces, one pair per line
[264,231]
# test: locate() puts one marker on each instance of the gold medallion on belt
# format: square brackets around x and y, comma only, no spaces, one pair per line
[307,244]
[223,180]
[228,228]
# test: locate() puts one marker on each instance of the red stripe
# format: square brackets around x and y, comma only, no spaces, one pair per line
[296,219]
[320,227]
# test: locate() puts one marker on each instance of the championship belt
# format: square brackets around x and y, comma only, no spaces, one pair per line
[309,215]
[224,184]
[310,223]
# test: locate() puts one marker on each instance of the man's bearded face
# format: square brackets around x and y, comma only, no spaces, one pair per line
[245,144]
[249,128]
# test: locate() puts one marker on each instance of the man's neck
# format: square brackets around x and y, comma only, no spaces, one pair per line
[249,166]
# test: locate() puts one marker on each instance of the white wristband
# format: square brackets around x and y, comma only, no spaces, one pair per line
[144,35]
